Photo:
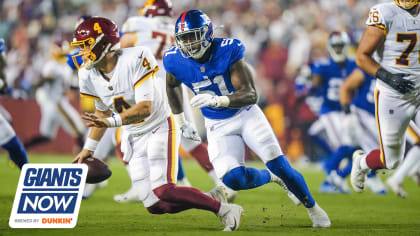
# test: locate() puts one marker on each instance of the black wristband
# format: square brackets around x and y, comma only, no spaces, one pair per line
[382,74]
[346,109]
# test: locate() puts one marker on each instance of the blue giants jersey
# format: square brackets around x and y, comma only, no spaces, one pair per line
[365,95]
[332,78]
[212,77]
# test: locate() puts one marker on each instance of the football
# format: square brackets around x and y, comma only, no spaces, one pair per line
[98,171]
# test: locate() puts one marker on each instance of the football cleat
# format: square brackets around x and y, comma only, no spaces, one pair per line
[396,188]
[219,193]
[376,186]
[357,176]
[129,196]
[339,182]
[231,194]
[318,217]
[277,180]
[231,216]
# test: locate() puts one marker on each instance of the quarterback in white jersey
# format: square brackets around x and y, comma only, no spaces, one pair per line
[124,85]
[392,30]
[154,28]
[51,97]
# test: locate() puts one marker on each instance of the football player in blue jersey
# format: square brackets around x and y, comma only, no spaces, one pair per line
[328,75]
[8,139]
[214,69]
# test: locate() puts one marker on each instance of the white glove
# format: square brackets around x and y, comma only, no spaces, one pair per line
[207,100]
[187,129]
[189,132]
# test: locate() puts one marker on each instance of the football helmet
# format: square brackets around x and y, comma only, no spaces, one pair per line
[406,4]
[337,46]
[193,33]
[95,37]
[154,8]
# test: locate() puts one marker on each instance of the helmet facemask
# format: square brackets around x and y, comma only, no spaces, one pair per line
[87,48]
[407,4]
[193,43]
[337,46]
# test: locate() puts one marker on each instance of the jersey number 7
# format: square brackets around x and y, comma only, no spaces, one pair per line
[403,59]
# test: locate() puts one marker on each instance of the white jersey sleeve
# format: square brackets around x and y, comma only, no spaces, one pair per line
[377,17]
[48,70]
[87,90]
[146,68]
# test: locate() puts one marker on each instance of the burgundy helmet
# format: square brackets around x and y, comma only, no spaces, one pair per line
[95,37]
[154,8]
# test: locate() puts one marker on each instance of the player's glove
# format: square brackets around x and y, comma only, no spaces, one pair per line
[187,129]
[396,81]
[208,100]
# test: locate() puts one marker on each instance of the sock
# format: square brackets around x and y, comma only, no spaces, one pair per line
[162,207]
[293,180]
[322,144]
[373,161]
[16,152]
[242,177]
[181,173]
[213,176]
[201,154]
[410,161]
[36,141]
[334,161]
[187,197]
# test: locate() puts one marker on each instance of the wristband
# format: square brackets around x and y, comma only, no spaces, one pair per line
[90,144]
[346,109]
[382,74]
[115,120]
[222,101]
[180,119]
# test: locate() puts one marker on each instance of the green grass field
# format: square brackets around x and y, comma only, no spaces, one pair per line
[268,211]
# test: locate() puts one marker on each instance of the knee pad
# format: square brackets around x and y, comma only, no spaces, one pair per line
[235,178]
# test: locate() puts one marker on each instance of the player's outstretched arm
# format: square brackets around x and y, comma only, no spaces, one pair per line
[94,137]
[174,92]
[243,81]
[351,83]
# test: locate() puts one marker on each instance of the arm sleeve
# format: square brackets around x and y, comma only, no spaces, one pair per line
[238,50]
[146,68]
[376,18]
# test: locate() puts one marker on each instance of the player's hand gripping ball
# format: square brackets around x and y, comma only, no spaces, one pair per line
[98,171]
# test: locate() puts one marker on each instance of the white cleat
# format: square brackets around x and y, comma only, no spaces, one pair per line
[318,217]
[129,196]
[277,180]
[91,188]
[231,194]
[219,193]
[396,188]
[339,182]
[376,186]
[231,216]
[357,176]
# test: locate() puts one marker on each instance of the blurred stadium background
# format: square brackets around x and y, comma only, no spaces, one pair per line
[281,36]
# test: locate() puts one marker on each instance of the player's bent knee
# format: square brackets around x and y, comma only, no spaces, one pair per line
[236,178]
[281,167]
